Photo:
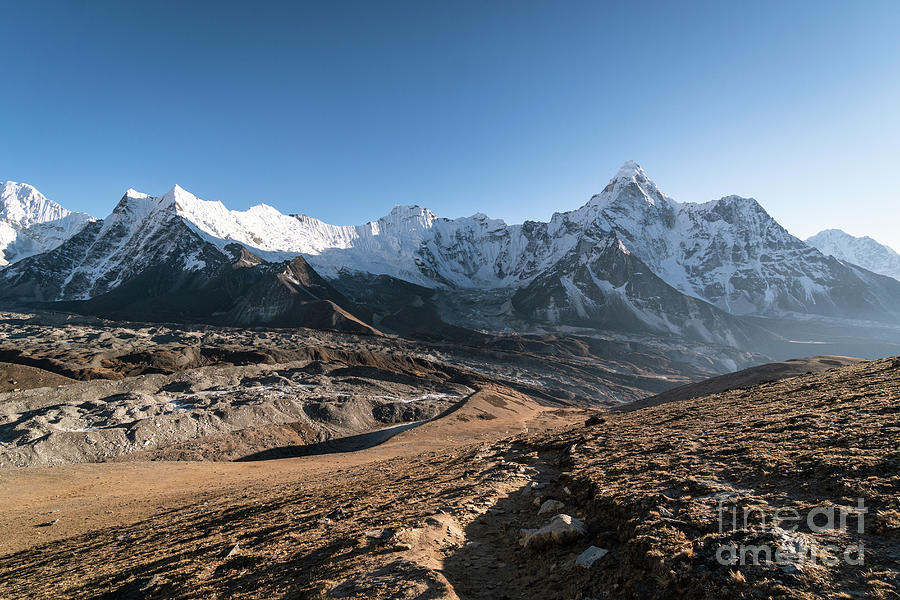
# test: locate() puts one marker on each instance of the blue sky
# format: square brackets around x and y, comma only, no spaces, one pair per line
[518,109]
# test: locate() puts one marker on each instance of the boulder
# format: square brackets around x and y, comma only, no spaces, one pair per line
[560,530]
[551,506]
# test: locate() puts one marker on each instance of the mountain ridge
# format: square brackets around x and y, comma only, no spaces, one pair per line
[30,223]
[689,245]
[629,259]
[863,251]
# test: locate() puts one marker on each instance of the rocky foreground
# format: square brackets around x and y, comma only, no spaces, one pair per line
[478,505]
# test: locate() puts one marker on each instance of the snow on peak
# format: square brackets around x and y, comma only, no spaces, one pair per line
[739,200]
[262,228]
[414,212]
[630,170]
[406,219]
[31,224]
[22,205]
[630,189]
[731,208]
[863,251]
[729,252]
[831,234]
[133,193]
[632,173]
[263,209]
[186,201]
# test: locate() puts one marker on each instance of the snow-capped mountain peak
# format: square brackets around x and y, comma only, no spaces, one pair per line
[630,169]
[863,251]
[632,183]
[733,210]
[407,219]
[728,252]
[22,205]
[630,173]
[30,223]
[184,201]
[133,193]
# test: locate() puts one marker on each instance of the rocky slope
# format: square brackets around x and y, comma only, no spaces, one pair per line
[754,376]
[81,389]
[625,506]
[31,224]
[862,251]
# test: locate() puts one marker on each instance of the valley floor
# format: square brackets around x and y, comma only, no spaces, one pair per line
[439,510]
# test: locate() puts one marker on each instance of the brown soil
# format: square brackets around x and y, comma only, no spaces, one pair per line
[436,511]
[85,501]
[15,377]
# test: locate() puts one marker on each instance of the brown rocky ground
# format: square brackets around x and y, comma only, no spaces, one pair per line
[766,373]
[14,378]
[574,369]
[438,511]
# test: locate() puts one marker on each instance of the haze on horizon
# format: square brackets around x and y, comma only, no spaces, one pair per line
[515,109]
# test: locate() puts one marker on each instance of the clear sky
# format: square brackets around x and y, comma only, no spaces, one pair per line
[517,109]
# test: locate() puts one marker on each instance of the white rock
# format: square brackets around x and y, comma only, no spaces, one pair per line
[551,506]
[562,529]
[587,558]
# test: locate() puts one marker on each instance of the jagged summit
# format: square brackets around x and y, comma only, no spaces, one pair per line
[186,201]
[30,223]
[735,199]
[133,193]
[863,251]
[631,170]
[630,186]
[733,209]
[410,217]
[21,204]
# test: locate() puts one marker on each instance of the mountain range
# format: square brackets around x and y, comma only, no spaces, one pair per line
[630,261]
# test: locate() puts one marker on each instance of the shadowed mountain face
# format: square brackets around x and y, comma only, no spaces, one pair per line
[145,262]
[601,285]
[245,291]
[167,272]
